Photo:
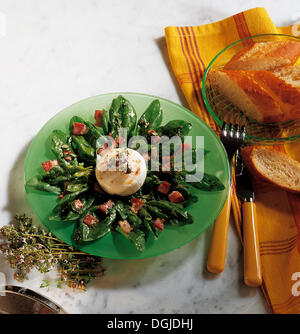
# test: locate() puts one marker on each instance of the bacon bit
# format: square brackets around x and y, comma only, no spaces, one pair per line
[61,195]
[175,197]
[185,146]
[136,205]
[125,226]
[98,114]
[159,223]
[152,133]
[102,148]
[47,165]
[155,139]
[80,129]
[67,155]
[105,206]
[120,140]
[77,204]
[166,162]
[90,220]
[164,187]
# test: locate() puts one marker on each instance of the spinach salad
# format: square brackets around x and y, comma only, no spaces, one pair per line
[162,199]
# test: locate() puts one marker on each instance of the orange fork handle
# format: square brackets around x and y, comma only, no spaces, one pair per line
[217,251]
[252,266]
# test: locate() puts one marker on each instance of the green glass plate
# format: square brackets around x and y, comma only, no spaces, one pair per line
[114,245]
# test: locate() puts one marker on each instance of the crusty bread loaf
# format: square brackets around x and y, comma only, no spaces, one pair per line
[262,95]
[242,90]
[272,166]
[265,56]
[290,74]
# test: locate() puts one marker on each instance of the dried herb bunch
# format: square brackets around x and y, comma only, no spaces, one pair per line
[28,246]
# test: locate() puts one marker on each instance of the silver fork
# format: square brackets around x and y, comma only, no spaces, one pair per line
[232,137]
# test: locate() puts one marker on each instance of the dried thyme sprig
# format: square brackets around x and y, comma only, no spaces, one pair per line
[28,246]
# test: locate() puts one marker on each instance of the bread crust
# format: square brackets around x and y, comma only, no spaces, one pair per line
[247,155]
[274,99]
[286,95]
[265,56]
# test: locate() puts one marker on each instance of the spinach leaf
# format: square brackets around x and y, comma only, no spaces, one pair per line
[38,183]
[151,118]
[136,237]
[208,183]
[85,233]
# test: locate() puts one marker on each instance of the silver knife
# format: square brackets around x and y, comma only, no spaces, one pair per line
[244,189]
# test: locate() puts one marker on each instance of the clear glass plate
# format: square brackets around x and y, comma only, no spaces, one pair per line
[221,108]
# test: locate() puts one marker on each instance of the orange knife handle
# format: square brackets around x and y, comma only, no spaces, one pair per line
[252,266]
[217,251]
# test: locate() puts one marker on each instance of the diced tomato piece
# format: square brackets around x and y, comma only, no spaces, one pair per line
[98,114]
[185,146]
[77,204]
[79,128]
[61,195]
[175,197]
[67,155]
[110,204]
[105,206]
[90,220]
[136,205]
[102,207]
[47,165]
[159,223]
[67,152]
[125,226]
[164,187]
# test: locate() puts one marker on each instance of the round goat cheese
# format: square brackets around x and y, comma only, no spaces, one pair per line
[120,171]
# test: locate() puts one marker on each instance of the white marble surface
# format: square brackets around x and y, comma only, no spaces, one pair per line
[56,52]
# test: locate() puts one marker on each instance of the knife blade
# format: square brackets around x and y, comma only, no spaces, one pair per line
[244,190]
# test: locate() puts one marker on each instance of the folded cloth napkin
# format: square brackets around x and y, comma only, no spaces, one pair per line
[190,49]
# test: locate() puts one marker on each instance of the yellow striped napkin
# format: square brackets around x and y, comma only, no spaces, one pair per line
[190,49]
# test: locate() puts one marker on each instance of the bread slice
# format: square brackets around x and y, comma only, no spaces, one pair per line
[265,56]
[272,166]
[264,96]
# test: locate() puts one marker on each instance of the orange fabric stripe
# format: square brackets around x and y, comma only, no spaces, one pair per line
[183,50]
[197,83]
[242,28]
[201,65]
